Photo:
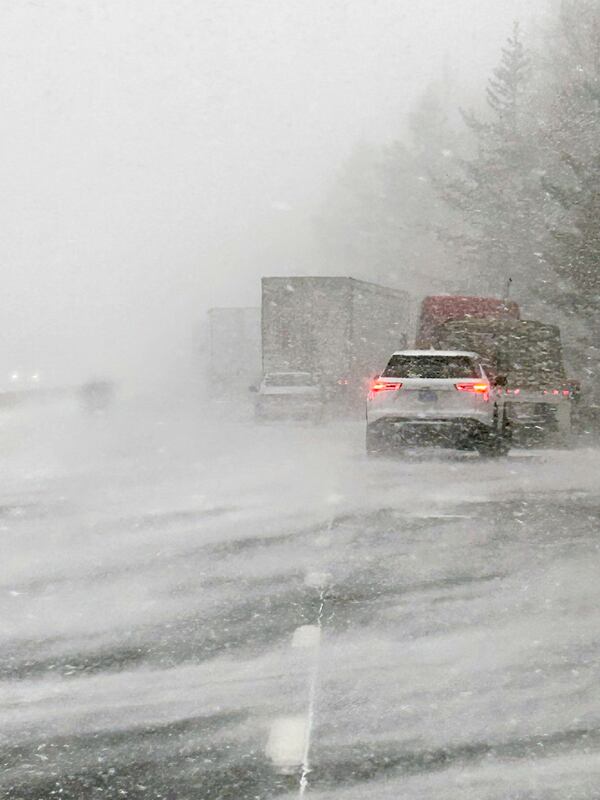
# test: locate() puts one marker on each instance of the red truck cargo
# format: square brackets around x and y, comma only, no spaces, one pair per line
[439,309]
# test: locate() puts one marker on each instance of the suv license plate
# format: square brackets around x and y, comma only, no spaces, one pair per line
[427,396]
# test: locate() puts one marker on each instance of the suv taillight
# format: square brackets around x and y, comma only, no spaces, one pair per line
[475,388]
[384,386]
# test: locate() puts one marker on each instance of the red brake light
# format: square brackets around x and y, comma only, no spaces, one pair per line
[383,386]
[476,388]
[566,392]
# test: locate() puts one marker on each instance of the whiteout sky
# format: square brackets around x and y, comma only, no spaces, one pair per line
[152,149]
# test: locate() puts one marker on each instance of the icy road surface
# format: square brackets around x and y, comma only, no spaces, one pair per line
[198,608]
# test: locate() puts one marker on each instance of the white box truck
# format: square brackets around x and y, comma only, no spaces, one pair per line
[338,329]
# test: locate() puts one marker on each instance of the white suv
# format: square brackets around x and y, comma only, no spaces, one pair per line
[441,397]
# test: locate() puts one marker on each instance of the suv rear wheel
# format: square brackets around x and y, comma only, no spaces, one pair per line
[489,447]
[375,444]
[496,443]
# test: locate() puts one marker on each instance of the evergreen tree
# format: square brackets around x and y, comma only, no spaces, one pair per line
[498,192]
[381,215]
[349,224]
[573,181]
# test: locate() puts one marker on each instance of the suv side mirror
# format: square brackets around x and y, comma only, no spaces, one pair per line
[500,380]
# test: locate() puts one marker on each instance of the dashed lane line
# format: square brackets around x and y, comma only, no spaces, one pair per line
[289,742]
[286,743]
[306,636]
[312,694]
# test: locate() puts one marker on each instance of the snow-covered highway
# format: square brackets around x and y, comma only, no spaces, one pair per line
[195,607]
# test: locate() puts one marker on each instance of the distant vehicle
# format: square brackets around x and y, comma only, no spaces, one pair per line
[289,395]
[97,396]
[234,346]
[437,310]
[25,380]
[529,353]
[27,388]
[339,329]
[436,397]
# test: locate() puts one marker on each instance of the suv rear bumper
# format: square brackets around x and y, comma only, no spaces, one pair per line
[455,432]
[479,413]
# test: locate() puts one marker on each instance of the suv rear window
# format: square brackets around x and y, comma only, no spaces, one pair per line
[432,367]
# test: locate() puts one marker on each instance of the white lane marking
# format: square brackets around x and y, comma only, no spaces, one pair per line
[307,636]
[286,743]
[288,746]
[317,580]
[312,692]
